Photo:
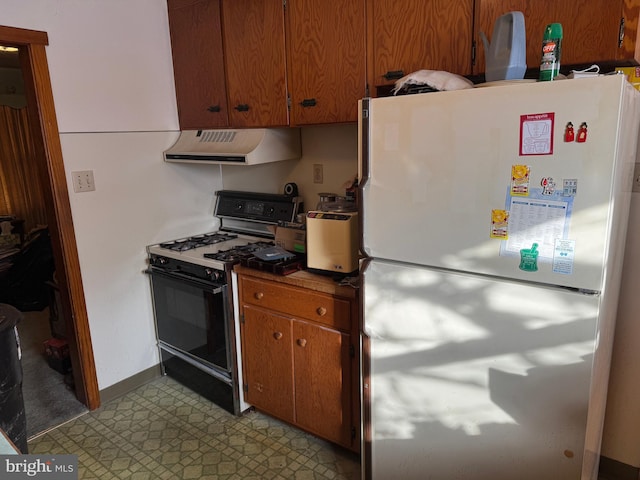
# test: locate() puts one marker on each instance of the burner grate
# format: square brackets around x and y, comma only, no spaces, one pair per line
[198,241]
[235,254]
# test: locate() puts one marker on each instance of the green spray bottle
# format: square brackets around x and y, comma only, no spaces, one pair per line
[551,49]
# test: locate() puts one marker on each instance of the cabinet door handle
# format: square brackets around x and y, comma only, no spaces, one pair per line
[277,335]
[621,33]
[243,107]
[301,342]
[321,311]
[214,109]
[308,102]
[258,295]
[393,75]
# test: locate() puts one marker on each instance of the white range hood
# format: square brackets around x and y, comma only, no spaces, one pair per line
[236,147]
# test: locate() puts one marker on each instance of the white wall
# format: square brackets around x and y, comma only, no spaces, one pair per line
[621,439]
[109,60]
[112,81]
[335,147]
[139,200]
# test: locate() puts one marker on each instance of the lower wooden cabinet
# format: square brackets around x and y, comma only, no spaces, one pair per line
[299,357]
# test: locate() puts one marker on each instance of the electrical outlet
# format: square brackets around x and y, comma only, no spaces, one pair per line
[636,178]
[83,181]
[317,173]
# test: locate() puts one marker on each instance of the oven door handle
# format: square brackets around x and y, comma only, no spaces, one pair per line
[186,278]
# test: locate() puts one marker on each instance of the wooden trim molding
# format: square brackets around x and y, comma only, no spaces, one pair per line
[131,383]
[44,125]
[22,36]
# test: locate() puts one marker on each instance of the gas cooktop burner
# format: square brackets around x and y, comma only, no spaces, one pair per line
[236,253]
[198,241]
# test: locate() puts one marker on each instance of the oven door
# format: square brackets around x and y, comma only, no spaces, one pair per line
[192,320]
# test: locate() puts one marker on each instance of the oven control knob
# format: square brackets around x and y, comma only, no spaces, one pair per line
[215,275]
[159,260]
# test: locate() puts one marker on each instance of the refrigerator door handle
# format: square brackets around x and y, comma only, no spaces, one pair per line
[363,153]
[363,164]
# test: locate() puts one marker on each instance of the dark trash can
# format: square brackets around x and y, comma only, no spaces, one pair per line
[12,415]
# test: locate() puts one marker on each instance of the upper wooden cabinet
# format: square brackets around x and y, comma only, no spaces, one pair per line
[592,31]
[296,63]
[326,60]
[409,35]
[268,63]
[254,47]
[196,47]
[299,64]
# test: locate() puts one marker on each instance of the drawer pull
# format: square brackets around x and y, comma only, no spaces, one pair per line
[302,342]
[321,311]
[258,295]
[393,75]
[277,335]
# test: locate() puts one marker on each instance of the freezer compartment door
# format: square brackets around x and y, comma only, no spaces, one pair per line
[473,378]
[471,180]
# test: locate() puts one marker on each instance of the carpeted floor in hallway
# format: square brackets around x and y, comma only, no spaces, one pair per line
[48,400]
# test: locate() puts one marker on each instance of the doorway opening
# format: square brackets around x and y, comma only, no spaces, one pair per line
[49,170]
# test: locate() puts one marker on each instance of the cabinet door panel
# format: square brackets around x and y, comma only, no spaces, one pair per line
[267,361]
[253,32]
[590,29]
[326,60]
[322,381]
[410,35]
[196,47]
[630,12]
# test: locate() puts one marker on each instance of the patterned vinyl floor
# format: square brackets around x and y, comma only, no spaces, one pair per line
[163,430]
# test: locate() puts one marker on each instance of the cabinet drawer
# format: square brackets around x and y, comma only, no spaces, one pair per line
[298,302]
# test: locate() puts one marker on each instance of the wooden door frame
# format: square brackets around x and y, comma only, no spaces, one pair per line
[44,129]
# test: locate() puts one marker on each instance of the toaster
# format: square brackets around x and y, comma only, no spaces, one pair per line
[332,242]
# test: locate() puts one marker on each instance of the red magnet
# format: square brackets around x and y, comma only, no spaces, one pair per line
[582,133]
[569,135]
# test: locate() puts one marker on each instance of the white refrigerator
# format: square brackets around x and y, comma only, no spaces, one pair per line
[494,223]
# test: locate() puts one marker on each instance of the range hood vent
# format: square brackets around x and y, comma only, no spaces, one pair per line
[236,147]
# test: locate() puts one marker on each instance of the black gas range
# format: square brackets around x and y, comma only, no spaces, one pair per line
[192,299]
[208,256]
[247,222]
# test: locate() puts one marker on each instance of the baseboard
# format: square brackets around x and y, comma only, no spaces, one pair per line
[128,384]
[614,470]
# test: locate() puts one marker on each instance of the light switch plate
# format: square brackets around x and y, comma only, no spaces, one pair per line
[317,173]
[83,181]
